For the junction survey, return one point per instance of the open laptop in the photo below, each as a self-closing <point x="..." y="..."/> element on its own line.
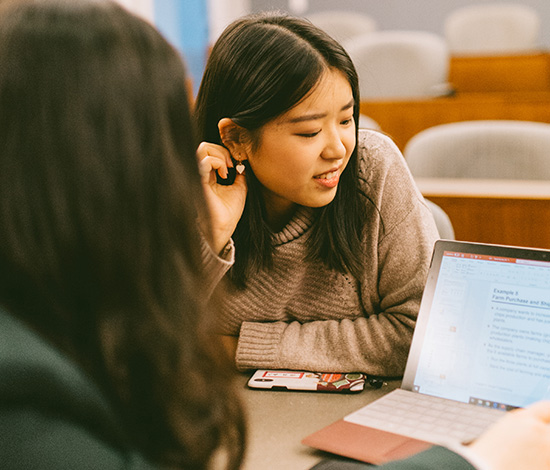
<point x="481" y="346"/>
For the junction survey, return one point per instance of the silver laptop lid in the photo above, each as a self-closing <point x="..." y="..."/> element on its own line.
<point x="483" y="331"/>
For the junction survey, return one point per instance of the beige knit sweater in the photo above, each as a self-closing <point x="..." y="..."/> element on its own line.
<point x="300" y="315"/>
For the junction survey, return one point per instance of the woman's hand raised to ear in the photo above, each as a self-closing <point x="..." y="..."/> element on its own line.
<point x="225" y="203"/>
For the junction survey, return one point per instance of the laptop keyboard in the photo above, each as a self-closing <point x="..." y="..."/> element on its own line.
<point x="425" y="417"/>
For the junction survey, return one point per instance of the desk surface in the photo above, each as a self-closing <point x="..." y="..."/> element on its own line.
<point x="278" y="421"/>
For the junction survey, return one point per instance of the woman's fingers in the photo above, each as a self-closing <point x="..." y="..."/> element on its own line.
<point x="213" y="153"/>
<point x="539" y="410"/>
<point x="225" y="202"/>
<point x="210" y="164"/>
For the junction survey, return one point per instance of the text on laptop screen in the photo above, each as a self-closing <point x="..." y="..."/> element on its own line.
<point x="487" y="340"/>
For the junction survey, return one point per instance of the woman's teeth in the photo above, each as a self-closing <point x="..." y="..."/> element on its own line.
<point x="327" y="176"/>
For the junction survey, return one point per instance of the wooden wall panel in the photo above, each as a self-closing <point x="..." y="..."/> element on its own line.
<point x="502" y="73"/>
<point x="403" y="119"/>
<point x="494" y="211"/>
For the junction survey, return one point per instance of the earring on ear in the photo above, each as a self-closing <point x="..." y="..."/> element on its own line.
<point x="239" y="167"/>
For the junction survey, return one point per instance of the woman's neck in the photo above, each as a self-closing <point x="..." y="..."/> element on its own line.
<point x="279" y="215"/>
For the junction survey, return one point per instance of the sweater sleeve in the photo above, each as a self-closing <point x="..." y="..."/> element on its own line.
<point x="376" y="338"/>
<point x="216" y="266"/>
<point x="378" y="343"/>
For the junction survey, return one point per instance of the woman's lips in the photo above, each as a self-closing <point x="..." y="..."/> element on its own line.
<point x="329" y="179"/>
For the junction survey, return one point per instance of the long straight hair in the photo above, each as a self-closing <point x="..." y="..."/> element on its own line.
<point x="260" y="67"/>
<point x="98" y="239"/>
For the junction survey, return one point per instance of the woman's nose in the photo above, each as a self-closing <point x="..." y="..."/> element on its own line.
<point x="334" y="147"/>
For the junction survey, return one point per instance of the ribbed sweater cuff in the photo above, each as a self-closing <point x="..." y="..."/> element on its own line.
<point x="258" y="345"/>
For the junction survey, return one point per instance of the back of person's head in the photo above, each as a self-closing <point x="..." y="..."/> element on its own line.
<point x="263" y="65"/>
<point x="99" y="193"/>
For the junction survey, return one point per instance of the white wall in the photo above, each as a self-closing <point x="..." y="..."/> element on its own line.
<point x="143" y="8"/>
<point x="223" y="12"/>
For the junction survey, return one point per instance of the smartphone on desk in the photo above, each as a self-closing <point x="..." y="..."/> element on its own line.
<point x="350" y="382"/>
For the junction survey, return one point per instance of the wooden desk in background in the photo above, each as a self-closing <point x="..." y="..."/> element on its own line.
<point x="403" y="119"/>
<point x="509" y="212"/>
<point x="501" y="73"/>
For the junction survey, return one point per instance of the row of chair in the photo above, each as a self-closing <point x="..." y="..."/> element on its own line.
<point x="411" y="64"/>
<point x="484" y="28"/>
<point x="400" y="64"/>
<point x="484" y="150"/>
<point x="499" y="149"/>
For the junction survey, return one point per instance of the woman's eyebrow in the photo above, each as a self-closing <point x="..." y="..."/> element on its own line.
<point x="307" y="117"/>
<point x="313" y="117"/>
<point x="348" y="105"/>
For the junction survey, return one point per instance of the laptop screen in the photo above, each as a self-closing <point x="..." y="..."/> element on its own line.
<point x="483" y="333"/>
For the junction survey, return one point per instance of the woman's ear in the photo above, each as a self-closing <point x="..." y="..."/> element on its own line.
<point x="233" y="137"/>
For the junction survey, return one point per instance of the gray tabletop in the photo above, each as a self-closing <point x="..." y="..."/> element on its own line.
<point x="279" y="420"/>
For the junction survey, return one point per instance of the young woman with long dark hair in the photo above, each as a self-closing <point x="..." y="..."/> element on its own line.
<point x="332" y="237"/>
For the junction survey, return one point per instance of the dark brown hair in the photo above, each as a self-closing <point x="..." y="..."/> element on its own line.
<point x="260" y="67"/>
<point x="99" y="247"/>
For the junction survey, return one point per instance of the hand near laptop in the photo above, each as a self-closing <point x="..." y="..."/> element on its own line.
<point x="521" y="439"/>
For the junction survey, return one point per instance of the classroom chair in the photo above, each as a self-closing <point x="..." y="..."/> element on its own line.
<point x="498" y="149"/>
<point x="400" y="64"/>
<point x="495" y="28"/>
<point x="366" y="122"/>
<point x="442" y="221"/>
<point x="343" y="25"/>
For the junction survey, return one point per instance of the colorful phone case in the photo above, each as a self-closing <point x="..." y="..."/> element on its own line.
<point x="308" y="381"/>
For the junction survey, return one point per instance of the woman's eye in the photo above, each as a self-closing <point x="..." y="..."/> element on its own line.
<point x="345" y="122"/>
<point x="311" y="134"/>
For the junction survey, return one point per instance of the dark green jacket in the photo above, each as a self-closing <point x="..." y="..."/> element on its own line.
<point x="52" y="417"/>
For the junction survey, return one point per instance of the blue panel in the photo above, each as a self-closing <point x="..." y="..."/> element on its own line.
<point x="185" y="24"/>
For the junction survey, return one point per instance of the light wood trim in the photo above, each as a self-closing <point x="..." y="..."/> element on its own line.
<point x="486" y="188"/>
<point x="500" y="73"/>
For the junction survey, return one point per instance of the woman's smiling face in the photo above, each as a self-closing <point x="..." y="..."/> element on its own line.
<point x="302" y="153"/>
